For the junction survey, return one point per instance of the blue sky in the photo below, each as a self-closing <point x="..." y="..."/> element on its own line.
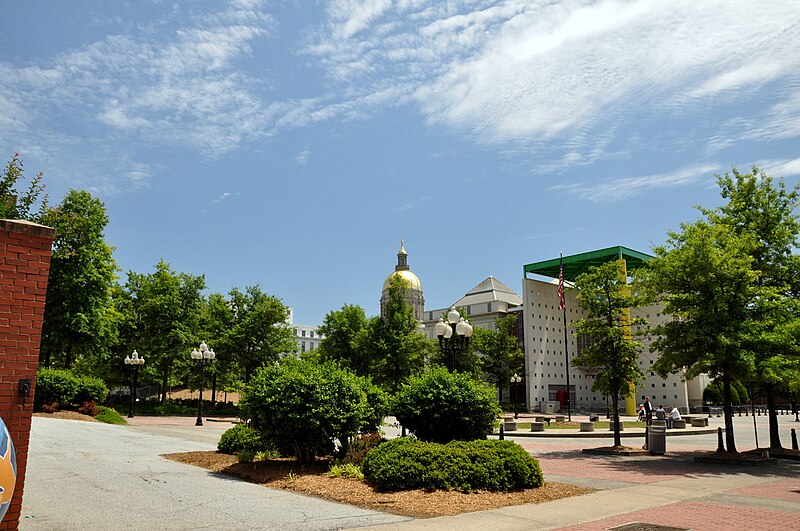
<point x="293" y="143"/>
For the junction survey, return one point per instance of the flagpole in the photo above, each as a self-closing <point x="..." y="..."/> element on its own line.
<point x="563" y="305"/>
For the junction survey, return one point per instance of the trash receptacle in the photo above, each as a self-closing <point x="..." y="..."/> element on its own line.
<point x="657" y="440"/>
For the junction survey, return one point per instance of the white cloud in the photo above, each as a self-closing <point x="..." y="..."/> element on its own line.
<point x="224" y="196"/>
<point x="618" y="189"/>
<point x="535" y="71"/>
<point x="780" y="167"/>
<point x="413" y="204"/>
<point x="301" y="157"/>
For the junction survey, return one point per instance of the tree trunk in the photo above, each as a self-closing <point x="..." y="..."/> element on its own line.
<point x="730" y="441"/>
<point x="774" y="434"/>
<point x="617" y="438"/>
<point x="164" y="379"/>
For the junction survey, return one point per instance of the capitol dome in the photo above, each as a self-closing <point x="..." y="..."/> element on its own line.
<point x="414" y="294"/>
<point x="411" y="279"/>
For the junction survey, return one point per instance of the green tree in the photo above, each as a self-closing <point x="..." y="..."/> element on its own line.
<point x="341" y="329"/>
<point x="393" y="342"/>
<point x="763" y="212"/>
<point x="704" y="277"/>
<point x="166" y="307"/>
<point x="500" y="355"/>
<point x="302" y="407"/>
<point x="14" y="206"/>
<point x="79" y="317"/>
<point x="257" y="334"/>
<point x="604" y="293"/>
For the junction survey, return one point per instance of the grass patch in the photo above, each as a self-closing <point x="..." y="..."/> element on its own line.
<point x="110" y="416"/>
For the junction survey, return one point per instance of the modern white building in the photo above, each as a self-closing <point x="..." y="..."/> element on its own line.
<point x="549" y="353"/>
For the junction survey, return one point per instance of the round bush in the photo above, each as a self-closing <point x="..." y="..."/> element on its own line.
<point x="240" y="438"/>
<point x="54" y="385"/>
<point x="301" y="406"/>
<point x="90" y="390"/>
<point x="440" y="406"/>
<point x="408" y="463"/>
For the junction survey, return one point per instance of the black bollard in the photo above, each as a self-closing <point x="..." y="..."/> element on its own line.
<point x="403" y="432"/>
<point x="720" y="445"/>
<point x="740" y="411"/>
<point x="794" y="440"/>
<point x="746" y="413"/>
<point x="759" y="412"/>
<point x="502" y="433"/>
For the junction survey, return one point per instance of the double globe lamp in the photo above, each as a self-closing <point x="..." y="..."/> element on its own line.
<point x="203" y="356"/>
<point x="453" y="335"/>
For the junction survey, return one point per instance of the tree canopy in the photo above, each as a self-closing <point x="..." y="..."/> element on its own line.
<point x="612" y="353"/>
<point x="79" y="318"/>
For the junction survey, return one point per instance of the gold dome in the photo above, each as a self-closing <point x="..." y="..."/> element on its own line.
<point x="411" y="279"/>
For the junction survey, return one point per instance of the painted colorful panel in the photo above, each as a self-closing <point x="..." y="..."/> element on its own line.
<point x="8" y="469"/>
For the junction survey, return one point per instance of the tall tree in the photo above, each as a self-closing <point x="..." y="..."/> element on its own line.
<point x="761" y="209"/>
<point x="16" y="206"/>
<point x="500" y="355"/>
<point x="258" y="333"/>
<point x="604" y="293"/>
<point x="79" y="317"/>
<point x="704" y="277"/>
<point x="393" y="342"/>
<point x="341" y="329"/>
<point x="167" y="308"/>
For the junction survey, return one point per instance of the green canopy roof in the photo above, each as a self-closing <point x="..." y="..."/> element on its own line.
<point x="576" y="264"/>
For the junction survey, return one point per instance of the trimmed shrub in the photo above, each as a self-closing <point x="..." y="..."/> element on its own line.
<point x="90" y="390"/>
<point x="440" y="406"/>
<point x="89" y="408"/>
<point x="408" y="463"/>
<point x="54" y="385"/>
<point x="359" y="447"/>
<point x="301" y="406"/>
<point x="240" y="438"/>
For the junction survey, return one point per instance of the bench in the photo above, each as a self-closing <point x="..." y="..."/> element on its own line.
<point x="560" y="418"/>
<point x="660" y="422"/>
<point x="509" y="426"/>
<point x="699" y="422"/>
<point x="679" y="424"/>
<point x="537" y="426"/>
<point x="611" y="425"/>
<point x="587" y="426"/>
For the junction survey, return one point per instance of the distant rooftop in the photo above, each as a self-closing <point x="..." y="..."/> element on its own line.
<point x="489" y="290"/>
<point x="576" y="264"/>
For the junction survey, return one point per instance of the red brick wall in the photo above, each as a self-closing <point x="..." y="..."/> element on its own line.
<point x="24" y="266"/>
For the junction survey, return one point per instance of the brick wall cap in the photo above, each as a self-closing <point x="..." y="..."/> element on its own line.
<point x="27" y="227"/>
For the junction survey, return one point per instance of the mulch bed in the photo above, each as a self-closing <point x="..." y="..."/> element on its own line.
<point x="310" y="479"/>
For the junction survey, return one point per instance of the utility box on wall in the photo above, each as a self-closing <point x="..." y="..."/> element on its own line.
<point x="25" y="250"/>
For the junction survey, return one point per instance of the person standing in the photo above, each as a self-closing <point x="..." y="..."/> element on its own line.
<point x="648" y="411"/>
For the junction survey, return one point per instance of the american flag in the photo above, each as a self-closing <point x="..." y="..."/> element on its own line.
<point x="561" y="305"/>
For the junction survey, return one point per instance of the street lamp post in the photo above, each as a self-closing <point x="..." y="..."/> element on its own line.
<point x="453" y="335"/>
<point x="203" y="356"/>
<point x="516" y="379"/>
<point x="134" y="362"/>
